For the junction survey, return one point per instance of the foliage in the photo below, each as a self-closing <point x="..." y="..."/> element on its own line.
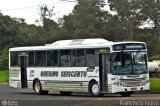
<point x="4" y="58"/>
<point x="151" y="11"/>
<point x="157" y="57"/>
<point x="8" y="31"/>
<point x="152" y="43"/>
<point x="87" y="20"/>
<point x="129" y="15"/>
<point x="50" y="28"/>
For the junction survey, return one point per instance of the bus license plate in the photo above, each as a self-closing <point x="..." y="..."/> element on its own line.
<point x="133" y="89"/>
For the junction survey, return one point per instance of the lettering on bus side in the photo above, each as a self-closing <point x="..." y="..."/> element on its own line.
<point x="73" y="74"/>
<point x="64" y="74"/>
<point x="49" y="73"/>
<point x="31" y="73"/>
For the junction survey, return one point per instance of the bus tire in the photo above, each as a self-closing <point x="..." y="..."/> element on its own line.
<point x="65" y="93"/>
<point x="38" y="88"/>
<point x="94" y="89"/>
<point x="126" y="94"/>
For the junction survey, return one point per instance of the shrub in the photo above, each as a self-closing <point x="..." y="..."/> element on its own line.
<point x="4" y="58"/>
<point x="157" y="57"/>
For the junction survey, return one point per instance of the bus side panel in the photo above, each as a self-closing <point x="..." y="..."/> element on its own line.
<point x="110" y="83"/>
<point x="62" y="78"/>
<point x="14" y="77"/>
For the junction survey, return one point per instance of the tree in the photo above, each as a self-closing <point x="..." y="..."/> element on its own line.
<point x="50" y="28"/>
<point x="8" y="31"/>
<point x="4" y="58"/>
<point x="86" y="20"/>
<point x="152" y="43"/>
<point x="129" y="15"/>
<point x="151" y="10"/>
<point x="29" y="35"/>
<point x="45" y="13"/>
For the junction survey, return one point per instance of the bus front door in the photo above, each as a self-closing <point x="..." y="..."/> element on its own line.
<point x="23" y="72"/>
<point x="103" y="60"/>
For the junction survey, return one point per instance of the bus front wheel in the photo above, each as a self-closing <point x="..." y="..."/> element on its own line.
<point x="126" y="94"/>
<point x="94" y="89"/>
<point x="38" y="88"/>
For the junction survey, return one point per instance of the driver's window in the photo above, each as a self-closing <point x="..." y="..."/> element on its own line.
<point x="121" y="60"/>
<point x="126" y="59"/>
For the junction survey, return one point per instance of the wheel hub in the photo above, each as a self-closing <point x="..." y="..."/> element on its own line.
<point x="95" y="89"/>
<point x="37" y="87"/>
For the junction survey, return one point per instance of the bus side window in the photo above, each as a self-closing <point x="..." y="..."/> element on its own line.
<point x="90" y="57"/>
<point x="31" y="58"/>
<point x="78" y="58"/>
<point x="40" y="59"/>
<point x="65" y="58"/>
<point x="14" y="59"/>
<point x="52" y="58"/>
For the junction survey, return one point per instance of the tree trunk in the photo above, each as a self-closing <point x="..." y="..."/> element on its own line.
<point x="155" y="27"/>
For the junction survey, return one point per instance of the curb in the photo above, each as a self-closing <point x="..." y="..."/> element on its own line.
<point x="147" y="92"/>
<point x="4" y="83"/>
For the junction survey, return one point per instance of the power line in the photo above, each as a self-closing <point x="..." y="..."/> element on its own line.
<point x="35" y="6"/>
<point x="64" y="1"/>
<point x="19" y="8"/>
<point x="69" y="0"/>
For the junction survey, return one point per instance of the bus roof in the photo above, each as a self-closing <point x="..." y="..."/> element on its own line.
<point x="68" y="44"/>
<point x="80" y="42"/>
<point x="72" y="44"/>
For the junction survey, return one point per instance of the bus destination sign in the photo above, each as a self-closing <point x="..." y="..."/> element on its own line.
<point x="129" y="46"/>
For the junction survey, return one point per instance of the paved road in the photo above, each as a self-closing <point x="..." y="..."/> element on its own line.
<point x="24" y="97"/>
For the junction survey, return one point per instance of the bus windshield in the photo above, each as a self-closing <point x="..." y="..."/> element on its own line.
<point x="128" y="63"/>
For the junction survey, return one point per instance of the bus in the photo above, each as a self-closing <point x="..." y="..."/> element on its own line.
<point x="95" y="66"/>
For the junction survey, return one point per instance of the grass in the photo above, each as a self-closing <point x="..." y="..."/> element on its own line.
<point x="4" y="75"/>
<point x="154" y="85"/>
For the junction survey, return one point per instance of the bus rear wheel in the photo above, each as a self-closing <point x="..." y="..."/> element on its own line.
<point x="94" y="89"/>
<point x="126" y="94"/>
<point x="38" y="88"/>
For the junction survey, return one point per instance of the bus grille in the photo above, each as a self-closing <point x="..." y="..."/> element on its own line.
<point x="129" y="83"/>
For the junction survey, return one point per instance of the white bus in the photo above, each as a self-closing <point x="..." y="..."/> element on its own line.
<point x="95" y="66"/>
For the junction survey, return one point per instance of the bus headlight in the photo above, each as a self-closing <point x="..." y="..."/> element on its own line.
<point x="119" y="84"/>
<point x="144" y="83"/>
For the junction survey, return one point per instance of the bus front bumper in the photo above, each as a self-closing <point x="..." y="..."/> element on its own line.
<point x="116" y="89"/>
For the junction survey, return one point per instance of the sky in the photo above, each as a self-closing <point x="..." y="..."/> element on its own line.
<point x="29" y="9"/>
